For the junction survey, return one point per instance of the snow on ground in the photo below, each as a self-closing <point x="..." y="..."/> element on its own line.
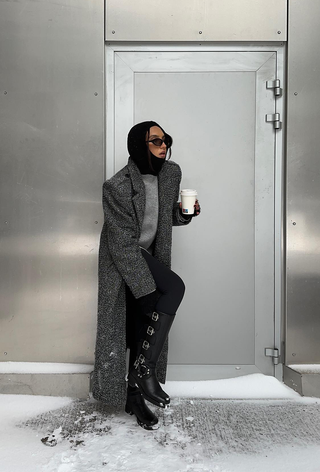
<point x="44" y="368"/>
<point x="21" y="448"/>
<point x="246" y="387"/>
<point x="124" y="446"/>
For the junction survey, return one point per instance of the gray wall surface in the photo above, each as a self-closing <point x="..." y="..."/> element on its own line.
<point x="303" y="184"/>
<point x="203" y="20"/>
<point x="51" y="151"/>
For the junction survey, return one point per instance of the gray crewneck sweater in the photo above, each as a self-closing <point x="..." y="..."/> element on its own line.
<point x="150" y="220"/>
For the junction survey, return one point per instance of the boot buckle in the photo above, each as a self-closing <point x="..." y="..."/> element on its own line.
<point x="141" y="359"/>
<point x="150" y="330"/>
<point x="145" y="345"/>
<point x="154" y="316"/>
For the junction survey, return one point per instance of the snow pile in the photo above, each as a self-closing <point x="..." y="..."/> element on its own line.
<point x="306" y="368"/>
<point x="254" y="386"/>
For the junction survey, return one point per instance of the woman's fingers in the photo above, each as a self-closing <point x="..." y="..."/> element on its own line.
<point x="197" y="208"/>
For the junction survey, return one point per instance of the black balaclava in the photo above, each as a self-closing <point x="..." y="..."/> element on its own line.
<point x="138" y="148"/>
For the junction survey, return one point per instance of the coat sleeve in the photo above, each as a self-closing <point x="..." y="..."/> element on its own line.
<point x="178" y="219"/>
<point x="122" y="234"/>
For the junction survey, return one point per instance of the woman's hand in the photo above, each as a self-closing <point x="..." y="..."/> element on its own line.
<point x="197" y="208"/>
<point x="196" y="212"/>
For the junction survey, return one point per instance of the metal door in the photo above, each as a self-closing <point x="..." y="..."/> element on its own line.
<point x="214" y="104"/>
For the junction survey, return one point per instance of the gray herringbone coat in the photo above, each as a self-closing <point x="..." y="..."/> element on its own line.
<point x="121" y="263"/>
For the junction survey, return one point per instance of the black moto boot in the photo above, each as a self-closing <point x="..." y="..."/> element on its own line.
<point x="136" y="406"/>
<point x="143" y="373"/>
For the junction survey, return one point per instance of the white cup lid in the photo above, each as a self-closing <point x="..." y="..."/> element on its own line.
<point x="188" y="191"/>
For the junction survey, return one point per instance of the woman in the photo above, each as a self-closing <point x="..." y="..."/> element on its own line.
<point x="138" y="293"/>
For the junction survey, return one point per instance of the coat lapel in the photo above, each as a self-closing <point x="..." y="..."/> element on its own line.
<point x="138" y="194"/>
<point x="165" y="191"/>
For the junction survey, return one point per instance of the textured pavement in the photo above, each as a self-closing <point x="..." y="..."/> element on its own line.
<point x="215" y="426"/>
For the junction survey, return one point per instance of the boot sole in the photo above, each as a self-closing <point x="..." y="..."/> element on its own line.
<point x="148" y="427"/>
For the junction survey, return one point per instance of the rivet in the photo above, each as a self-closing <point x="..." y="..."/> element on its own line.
<point x="294" y="223"/>
<point x="5" y="353"/>
<point x="279" y="32"/>
<point x="294" y="354"/>
<point x="295" y="93"/>
<point x="113" y="31"/>
<point x="96" y="222"/>
<point x="200" y="32"/>
<point x="5" y="92"/>
<point x="95" y="93"/>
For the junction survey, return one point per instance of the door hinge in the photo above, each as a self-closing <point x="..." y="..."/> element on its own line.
<point x="274" y="353"/>
<point x="275" y="118"/>
<point x="275" y="85"/>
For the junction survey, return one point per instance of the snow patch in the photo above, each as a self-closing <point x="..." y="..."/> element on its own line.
<point x="253" y="386"/>
<point x="44" y="368"/>
<point x="306" y="368"/>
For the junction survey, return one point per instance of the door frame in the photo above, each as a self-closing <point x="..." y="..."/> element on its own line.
<point x="279" y="165"/>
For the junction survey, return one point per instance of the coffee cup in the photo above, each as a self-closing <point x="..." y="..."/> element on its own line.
<point x="188" y="200"/>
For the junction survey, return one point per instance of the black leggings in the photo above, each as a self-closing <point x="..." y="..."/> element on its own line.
<point x="168" y="283"/>
<point x="172" y="289"/>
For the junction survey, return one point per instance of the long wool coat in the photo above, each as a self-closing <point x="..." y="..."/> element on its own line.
<point x="121" y="263"/>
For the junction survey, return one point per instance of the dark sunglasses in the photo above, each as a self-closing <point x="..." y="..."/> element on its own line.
<point x="158" y="141"/>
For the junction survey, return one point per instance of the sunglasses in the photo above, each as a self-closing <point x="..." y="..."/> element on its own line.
<point x="158" y="141"/>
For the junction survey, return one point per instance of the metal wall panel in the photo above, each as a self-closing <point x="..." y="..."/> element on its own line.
<point x="303" y="184"/>
<point x="51" y="143"/>
<point x="203" y="20"/>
